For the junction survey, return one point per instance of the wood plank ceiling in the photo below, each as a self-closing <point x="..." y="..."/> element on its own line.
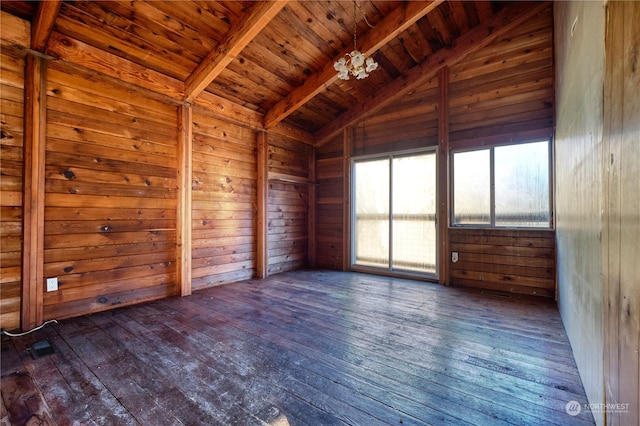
<point x="272" y="58"/>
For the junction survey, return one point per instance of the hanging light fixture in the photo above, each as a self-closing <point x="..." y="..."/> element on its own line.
<point x="355" y="63"/>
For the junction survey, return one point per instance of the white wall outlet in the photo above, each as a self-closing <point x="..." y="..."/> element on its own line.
<point x="454" y="256"/>
<point x="52" y="284"/>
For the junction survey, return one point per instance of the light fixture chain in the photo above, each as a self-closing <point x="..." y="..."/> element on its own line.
<point x="355" y="27"/>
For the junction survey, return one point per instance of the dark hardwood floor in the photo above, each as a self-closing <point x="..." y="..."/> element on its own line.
<point x="307" y="348"/>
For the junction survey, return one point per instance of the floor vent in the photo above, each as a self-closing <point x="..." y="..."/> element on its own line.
<point x="40" y="349"/>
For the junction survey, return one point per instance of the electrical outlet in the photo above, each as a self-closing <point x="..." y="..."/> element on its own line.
<point x="52" y="284"/>
<point x="454" y="256"/>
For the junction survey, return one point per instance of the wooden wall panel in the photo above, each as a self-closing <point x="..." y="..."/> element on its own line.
<point x="11" y="182"/>
<point x="288" y="204"/>
<point x="110" y="195"/>
<point x="506" y="87"/>
<point x="579" y="159"/>
<point x="223" y="202"/>
<point x="287" y="226"/>
<point x="329" y="204"/>
<point x="505" y="260"/>
<point x="621" y="218"/>
<point x="410" y="123"/>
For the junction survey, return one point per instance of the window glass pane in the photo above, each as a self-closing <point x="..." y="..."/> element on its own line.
<point x="414" y="207"/>
<point x="472" y="188"/>
<point x="372" y="213"/>
<point x="522" y="185"/>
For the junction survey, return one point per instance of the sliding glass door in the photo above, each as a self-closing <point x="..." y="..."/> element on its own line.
<point x="394" y="213"/>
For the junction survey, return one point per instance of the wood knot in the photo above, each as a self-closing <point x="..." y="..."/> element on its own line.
<point x="105" y="228"/>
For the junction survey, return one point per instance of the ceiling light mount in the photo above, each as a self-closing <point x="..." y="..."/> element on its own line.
<point x="355" y="63"/>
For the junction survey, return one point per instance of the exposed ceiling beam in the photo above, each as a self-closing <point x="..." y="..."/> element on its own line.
<point x="45" y="17"/>
<point x="478" y="37"/>
<point x="395" y="23"/>
<point x="238" y="37"/>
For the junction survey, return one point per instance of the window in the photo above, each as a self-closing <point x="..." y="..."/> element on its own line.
<point x="503" y="186"/>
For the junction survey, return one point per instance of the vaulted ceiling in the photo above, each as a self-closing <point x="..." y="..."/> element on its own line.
<point x="274" y="59"/>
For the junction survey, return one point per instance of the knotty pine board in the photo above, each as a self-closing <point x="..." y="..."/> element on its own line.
<point x="512" y="261"/>
<point x="111" y="187"/>
<point x="223" y="202"/>
<point x="11" y="168"/>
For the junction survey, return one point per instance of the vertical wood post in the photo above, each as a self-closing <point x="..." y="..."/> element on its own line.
<point x="347" y="136"/>
<point x="443" y="181"/>
<point x="33" y="196"/>
<point x="183" y="224"/>
<point x="262" y="256"/>
<point x="311" y="215"/>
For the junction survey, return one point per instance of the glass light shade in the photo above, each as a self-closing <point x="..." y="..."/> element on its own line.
<point x="356" y="64"/>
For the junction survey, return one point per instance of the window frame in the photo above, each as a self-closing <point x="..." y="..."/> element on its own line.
<point x="492" y="208"/>
<point x="390" y="270"/>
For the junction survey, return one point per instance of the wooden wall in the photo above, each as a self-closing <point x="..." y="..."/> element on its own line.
<point x="224" y="212"/>
<point x="505" y="88"/>
<point x="598" y="212"/>
<point x="507" y="260"/>
<point x="503" y="92"/>
<point x="578" y="150"/>
<point x="110" y="194"/>
<point x="621" y="227"/>
<point x="330" y="199"/>
<point x="223" y="202"/>
<point x="11" y="182"/>
<point x="410" y="123"/>
<point x="288" y="204"/>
